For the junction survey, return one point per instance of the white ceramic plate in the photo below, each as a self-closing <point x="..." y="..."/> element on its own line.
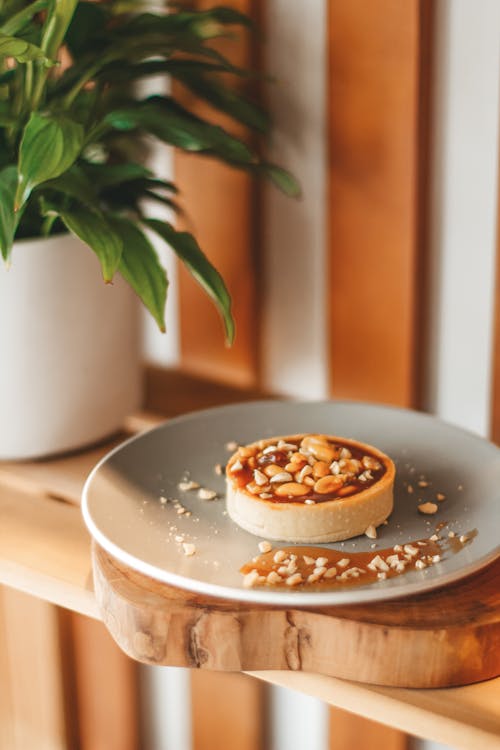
<point x="124" y="513"/>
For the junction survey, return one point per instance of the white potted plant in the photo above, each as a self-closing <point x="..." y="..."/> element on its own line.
<point x="72" y="133"/>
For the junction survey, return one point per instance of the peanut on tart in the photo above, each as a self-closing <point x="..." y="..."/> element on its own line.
<point x="309" y="488"/>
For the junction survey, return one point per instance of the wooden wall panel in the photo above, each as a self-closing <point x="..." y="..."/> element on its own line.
<point x="374" y="68"/>
<point x="228" y="711"/>
<point x="32" y="690"/>
<point x="220" y="204"/>
<point x="106" y="689"/>
<point x="378" y="113"/>
<point x="349" y="732"/>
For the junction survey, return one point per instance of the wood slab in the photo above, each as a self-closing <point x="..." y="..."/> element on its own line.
<point x="445" y="637"/>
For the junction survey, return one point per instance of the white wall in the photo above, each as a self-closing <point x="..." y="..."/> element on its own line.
<point x="464" y="209"/>
<point x="165" y="705"/>
<point x="294" y="242"/>
<point x="464" y="194"/>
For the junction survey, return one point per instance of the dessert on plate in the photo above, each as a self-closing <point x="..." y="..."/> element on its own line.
<point x="309" y="488"/>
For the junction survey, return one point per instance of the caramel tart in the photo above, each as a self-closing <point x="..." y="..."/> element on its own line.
<point x="309" y="488"/>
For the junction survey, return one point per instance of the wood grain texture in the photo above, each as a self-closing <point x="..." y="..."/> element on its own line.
<point x="373" y="194"/>
<point x="448" y="636"/>
<point x="32" y="695"/>
<point x="348" y="732"/>
<point x="220" y="205"/>
<point x="456" y="719"/>
<point x="171" y="392"/>
<point x="378" y="99"/>
<point x="228" y="710"/>
<point x="106" y="689"/>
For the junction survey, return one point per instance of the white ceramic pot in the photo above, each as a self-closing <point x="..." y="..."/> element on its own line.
<point x="69" y="349"/>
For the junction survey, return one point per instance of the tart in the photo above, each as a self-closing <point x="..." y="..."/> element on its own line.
<point x="309" y="488"/>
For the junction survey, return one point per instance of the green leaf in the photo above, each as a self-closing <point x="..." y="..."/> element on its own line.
<point x="7" y="77"/>
<point x="86" y="28"/>
<point x="168" y="121"/>
<point x="20" y="19"/>
<point x="75" y="184"/>
<point x="21" y="50"/>
<point x="125" y="45"/>
<point x="93" y="228"/>
<point x="164" y="201"/>
<point x="226" y="100"/>
<point x="8" y="218"/>
<point x="6" y="121"/>
<point x="154" y="38"/>
<point x="129" y="194"/>
<point x="208" y="24"/>
<point x="231" y="16"/>
<point x="204" y="24"/>
<point x="283" y="180"/>
<point x="157" y="184"/>
<point x="11" y="7"/>
<point x="111" y="175"/>
<point x="140" y="267"/>
<point x="120" y="72"/>
<point x="187" y="249"/>
<point x="49" y="146"/>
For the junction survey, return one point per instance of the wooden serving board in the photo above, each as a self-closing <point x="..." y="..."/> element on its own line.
<point x="448" y="636"/>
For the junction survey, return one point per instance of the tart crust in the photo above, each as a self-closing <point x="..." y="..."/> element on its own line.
<point x="329" y="520"/>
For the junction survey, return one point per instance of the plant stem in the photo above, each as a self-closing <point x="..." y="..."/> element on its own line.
<point x="28" y="81"/>
<point x="53" y="35"/>
<point x="75" y="90"/>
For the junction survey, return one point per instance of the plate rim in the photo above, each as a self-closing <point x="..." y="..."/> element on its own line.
<point x="298" y="599"/>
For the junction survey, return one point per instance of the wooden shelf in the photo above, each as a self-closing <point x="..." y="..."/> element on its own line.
<point x="45" y="551"/>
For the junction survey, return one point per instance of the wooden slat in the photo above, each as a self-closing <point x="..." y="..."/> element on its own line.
<point x="32" y="699"/>
<point x="45" y="550"/>
<point x="106" y="688"/>
<point x="228" y="711"/>
<point x="373" y="191"/>
<point x="220" y="207"/>
<point x="348" y="732"/>
<point x="6" y="698"/>
<point x="463" y="718"/>
<point x="378" y="113"/>
<point x="170" y="392"/>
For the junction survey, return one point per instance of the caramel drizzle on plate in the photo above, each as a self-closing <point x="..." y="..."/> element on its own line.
<point x="320" y="568"/>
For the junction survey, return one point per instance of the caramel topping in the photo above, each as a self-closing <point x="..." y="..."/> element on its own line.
<point x="306" y="469"/>
<point x="321" y="568"/>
